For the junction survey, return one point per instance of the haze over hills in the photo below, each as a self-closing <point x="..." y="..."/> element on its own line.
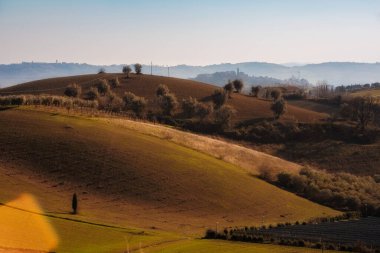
<point x="335" y="73"/>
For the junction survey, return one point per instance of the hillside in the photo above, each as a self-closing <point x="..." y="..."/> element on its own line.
<point x="129" y="178"/>
<point x="366" y="92"/>
<point x="335" y="73"/>
<point x="248" y="108"/>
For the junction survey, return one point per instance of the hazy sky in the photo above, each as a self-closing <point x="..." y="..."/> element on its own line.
<point x="196" y="32"/>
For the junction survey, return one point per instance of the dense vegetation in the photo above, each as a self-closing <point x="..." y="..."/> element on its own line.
<point x="342" y="191"/>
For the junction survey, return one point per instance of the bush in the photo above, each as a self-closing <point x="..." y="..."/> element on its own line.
<point x="238" y="85"/>
<point x="229" y="88"/>
<point x="210" y="234"/>
<point x="134" y="103"/>
<point x="278" y="108"/>
<point x="103" y="86"/>
<point x="162" y="90"/>
<point x="219" y="98"/>
<point x="92" y="94"/>
<point x="275" y="94"/>
<point x="168" y="104"/>
<point x="223" y="117"/>
<point x="189" y="107"/>
<point x="73" y="90"/>
<point x="115" y="82"/>
<point x="204" y="110"/>
<point x="111" y="103"/>
<point x="255" y="90"/>
<point x="340" y="190"/>
<point x="101" y="71"/>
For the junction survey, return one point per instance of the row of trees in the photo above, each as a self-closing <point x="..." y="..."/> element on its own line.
<point x="126" y="70"/>
<point x="216" y="113"/>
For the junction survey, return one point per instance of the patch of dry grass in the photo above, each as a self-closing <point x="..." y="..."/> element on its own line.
<point x="251" y="160"/>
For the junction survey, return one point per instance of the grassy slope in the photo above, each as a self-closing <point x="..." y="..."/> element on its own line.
<point x="371" y="92"/>
<point x="211" y="246"/>
<point x="247" y="107"/>
<point x="131" y="179"/>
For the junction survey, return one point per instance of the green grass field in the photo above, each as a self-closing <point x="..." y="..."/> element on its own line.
<point x="134" y="181"/>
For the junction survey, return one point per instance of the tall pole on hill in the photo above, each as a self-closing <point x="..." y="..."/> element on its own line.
<point x="168" y="71"/>
<point x="151" y="68"/>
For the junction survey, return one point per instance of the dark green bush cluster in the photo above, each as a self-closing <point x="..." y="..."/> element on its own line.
<point x="342" y="191"/>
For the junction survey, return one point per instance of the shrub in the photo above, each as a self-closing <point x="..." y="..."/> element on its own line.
<point x="278" y="108"/>
<point x="73" y="90"/>
<point x="275" y="94"/>
<point x="111" y="102"/>
<point x="115" y="82"/>
<point x="168" y="104"/>
<point x="255" y="90"/>
<point x="210" y="234"/>
<point x="223" y="117"/>
<point x="189" y="107"/>
<point x="204" y="110"/>
<point x="162" y="90"/>
<point x="219" y="98"/>
<point x="229" y="88"/>
<point x="340" y="190"/>
<point x="103" y="86"/>
<point x="134" y="103"/>
<point x="138" y="68"/>
<point x="238" y="85"/>
<point x="102" y="71"/>
<point x="92" y="94"/>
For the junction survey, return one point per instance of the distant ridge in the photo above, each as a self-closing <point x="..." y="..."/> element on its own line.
<point x="335" y="73"/>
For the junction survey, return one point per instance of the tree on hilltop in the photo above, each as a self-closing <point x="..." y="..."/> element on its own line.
<point x="127" y="70"/>
<point x="138" y="68"/>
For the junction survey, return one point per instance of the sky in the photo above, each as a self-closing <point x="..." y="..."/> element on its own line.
<point x="193" y="32"/>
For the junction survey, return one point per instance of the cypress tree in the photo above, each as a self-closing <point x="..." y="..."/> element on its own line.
<point x="74" y="203"/>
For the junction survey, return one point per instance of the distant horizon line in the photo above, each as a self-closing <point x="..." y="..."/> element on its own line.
<point x="286" y="64"/>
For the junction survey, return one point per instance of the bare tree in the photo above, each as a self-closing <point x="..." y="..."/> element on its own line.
<point x="363" y="109"/>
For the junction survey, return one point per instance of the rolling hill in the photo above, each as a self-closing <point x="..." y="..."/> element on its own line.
<point x="335" y="73"/>
<point x="248" y="108"/>
<point x="129" y="179"/>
